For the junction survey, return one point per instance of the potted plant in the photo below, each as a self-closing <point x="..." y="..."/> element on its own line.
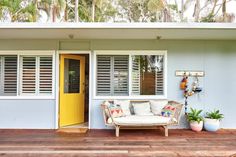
<point x="212" y="120"/>
<point x="195" y="119"/>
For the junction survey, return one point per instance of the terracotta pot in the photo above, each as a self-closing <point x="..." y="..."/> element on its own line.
<point x="211" y="124"/>
<point x="195" y="126"/>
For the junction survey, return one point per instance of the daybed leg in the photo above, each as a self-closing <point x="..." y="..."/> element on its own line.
<point x="117" y="131"/>
<point x="166" y="130"/>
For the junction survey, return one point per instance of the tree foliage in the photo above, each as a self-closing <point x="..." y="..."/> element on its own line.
<point x="18" y="10"/>
<point x="116" y="10"/>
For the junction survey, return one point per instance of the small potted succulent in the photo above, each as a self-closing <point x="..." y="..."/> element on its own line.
<point x="195" y="119"/>
<point x="212" y="120"/>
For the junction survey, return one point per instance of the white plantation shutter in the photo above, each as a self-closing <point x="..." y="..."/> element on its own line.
<point x="160" y="79"/>
<point x="159" y="83"/>
<point x="135" y="75"/>
<point x="112" y="75"/>
<point x="36" y="75"/>
<point x="26" y="75"/>
<point x="103" y="75"/>
<point x="28" y="72"/>
<point x="121" y="69"/>
<point x="10" y="75"/>
<point x="45" y="75"/>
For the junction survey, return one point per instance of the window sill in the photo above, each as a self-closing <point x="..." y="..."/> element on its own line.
<point x="27" y="97"/>
<point x="140" y="97"/>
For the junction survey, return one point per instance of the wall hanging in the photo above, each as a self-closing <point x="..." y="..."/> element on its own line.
<point x="184" y="84"/>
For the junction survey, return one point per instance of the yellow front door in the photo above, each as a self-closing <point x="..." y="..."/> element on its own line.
<point x="72" y="85"/>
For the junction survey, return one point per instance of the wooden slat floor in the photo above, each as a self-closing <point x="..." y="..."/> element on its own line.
<point x="130" y="143"/>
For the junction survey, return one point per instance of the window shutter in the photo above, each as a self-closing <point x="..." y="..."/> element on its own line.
<point x="121" y="67"/>
<point x="135" y="75"/>
<point x="45" y="75"/>
<point x="103" y="75"/>
<point x="160" y="81"/>
<point x="10" y="75"/>
<point x="28" y="72"/>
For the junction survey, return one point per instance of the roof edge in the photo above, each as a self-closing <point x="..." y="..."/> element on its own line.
<point x="100" y="25"/>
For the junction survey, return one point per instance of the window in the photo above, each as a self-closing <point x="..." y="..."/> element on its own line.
<point x="8" y="75"/>
<point x="36" y="75"/>
<point x="144" y="77"/>
<point x="72" y="76"/>
<point x="24" y="75"/>
<point x="112" y="75"/>
<point x="147" y="75"/>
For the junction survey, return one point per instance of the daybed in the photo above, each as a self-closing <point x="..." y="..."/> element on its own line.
<point x="132" y="120"/>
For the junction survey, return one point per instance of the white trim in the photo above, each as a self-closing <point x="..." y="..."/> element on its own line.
<point x="90" y="89"/>
<point x="18" y="86"/>
<point x="57" y="87"/>
<point x="138" y="97"/>
<point x="130" y="53"/>
<point x="74" y="52"/>
<point x="54" y="74"/>
<point x="27" y="97"/>
<point x="129" y="75"/>
<point x="104" y="25"/>
<point x="58" y="82"/>
<point x="165" y="75"/>
<point x="27" y="52"/>
<point x="33" y="53"/>
<point x="95" y="74"/>
<point x="37" y="75"/>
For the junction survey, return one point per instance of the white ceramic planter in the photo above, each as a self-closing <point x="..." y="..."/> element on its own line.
<point x="195" y="126"/>
<point x="211" y="124"/>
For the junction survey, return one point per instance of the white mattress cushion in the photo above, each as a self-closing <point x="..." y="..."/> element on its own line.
<point x="141" y="120"/>
<point x="157" y="106"/>
<point x="142" y="108"/>
<point x="125" y="106"/>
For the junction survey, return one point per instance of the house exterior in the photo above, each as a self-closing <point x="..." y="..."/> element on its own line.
<point x="44" y="68"/>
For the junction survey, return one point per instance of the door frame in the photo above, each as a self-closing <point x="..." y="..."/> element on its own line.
<point x="57" y="60"/>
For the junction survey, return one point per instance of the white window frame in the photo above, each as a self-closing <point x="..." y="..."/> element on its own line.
<point x="130" y="53"/>
<point x="31" y="53"/>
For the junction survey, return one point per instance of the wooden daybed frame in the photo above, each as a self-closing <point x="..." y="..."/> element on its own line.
<point x="174" y="120"/>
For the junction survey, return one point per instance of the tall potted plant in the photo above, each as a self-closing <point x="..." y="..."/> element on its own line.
<point x="195" y="119"/>
<point x="212" y="120"/>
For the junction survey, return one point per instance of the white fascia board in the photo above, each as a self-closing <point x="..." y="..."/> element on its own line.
<point x="118" y="25"/>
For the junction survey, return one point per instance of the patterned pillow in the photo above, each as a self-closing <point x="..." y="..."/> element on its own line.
<point x="168" y="111"/>
<point x="116" y="111"/>
<point x="106" y="104"/>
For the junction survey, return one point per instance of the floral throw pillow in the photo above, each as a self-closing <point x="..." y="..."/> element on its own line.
<point x="116" y="111"/>
<point x="168" y="111"/>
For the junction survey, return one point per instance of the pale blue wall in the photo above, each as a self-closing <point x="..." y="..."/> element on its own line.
<point x="35" y="114"/>
<point x="216" y="58"/>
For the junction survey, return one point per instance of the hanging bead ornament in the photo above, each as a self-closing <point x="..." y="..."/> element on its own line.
<point x="184" y="86"/>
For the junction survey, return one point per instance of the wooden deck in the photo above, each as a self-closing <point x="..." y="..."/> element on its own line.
<point x="104" y="143"/>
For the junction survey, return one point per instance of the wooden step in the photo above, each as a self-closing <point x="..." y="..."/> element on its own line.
<point x="77" y="128"/>
<point x="73" y="130"/>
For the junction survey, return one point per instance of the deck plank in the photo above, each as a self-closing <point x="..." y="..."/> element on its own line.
<point x="102" y="143"/>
